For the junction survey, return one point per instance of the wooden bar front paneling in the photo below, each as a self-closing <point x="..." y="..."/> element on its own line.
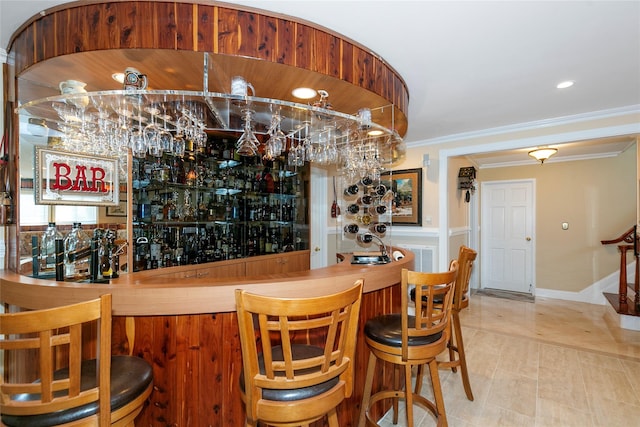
<point x="197" y="363"/>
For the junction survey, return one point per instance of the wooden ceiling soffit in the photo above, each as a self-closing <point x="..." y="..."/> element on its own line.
<point x="218" y="29"/>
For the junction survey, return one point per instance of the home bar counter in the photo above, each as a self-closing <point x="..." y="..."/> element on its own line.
<point x="187" y="329"/>
<point x="182" y="319"/>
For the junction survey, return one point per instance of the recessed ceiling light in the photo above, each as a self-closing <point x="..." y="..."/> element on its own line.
<point x="565" y="84"/>
<point x="375" y="132"/>
<point x="119" y="77"/>
<point x="304" y="93"/>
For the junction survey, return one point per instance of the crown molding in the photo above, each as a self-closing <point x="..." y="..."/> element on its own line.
<point x="528" y="126"/>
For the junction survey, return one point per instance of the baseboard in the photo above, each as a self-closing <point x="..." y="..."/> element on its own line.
<point x="592" y="294"/>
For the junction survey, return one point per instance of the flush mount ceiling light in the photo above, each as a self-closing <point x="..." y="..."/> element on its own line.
<point x="542" y="154"/>
<point x="565" y="84"/>
<point x="304" y="93"/>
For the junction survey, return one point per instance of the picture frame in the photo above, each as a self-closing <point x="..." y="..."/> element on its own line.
<point x="118" y="210"/>
<point x="407" y="188"/>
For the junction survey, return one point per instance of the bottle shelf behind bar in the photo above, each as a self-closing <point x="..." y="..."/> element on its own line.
<point x="212" y="205"/>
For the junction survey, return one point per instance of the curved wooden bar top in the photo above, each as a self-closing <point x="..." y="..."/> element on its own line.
<point x="187" y="329"/>
<point x="155" y="293"/>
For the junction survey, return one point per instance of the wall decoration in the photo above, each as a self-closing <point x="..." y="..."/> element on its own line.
<point x="119" y="210"/>
<point x="64" y="178"/>
<point x="407" y="188"/>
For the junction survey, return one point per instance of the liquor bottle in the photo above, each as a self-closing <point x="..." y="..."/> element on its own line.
<point x="266" y="210"/>
<point x="181" y="175"/>
<point x="228" y="209"/>
<point x="188" y="210"/>
<point x="381" y="209"/>
<point x="378" y="228"/>
<point x="156" y="208"/>
<point x="235" y="209"/>
<point x="261" y="241"/>
<point x="365" y="200"/>
<point x="365" y="238"/>
<point x="351" y="228"/>
<point x="287" y="243"/>
<point x="77" y="254"/>
<point x="203" y="212"/>
<point x="268" y="243"/>
<point x="226" y="150"/>
<point x="275" y="241"/>
<point x="211" y="209"/>
<point x="48" y="248"/>
<point x="225" y="247"/>
<point x="169" y="209"/>
<point x="144" y="207"/>
<point x="351" y="190"/>
<point x="366" y="181"/>
<point x="353" y="208"/>
<point x="252" y="243"/>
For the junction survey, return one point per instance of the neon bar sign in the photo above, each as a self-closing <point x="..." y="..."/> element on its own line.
<point x="64" y="178"/>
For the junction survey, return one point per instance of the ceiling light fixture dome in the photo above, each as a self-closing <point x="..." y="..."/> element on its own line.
<point x="565" y="84"/>
<point x="304" y="93"/>
<point x="542" y="154"/>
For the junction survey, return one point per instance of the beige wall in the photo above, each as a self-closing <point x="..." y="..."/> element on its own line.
<point x="458" y="209"/>
<point x="596" y="198"/>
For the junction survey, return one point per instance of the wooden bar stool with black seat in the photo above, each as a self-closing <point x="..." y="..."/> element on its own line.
<point x="406" y="341"/>
<point x="466" y="257"/>
<point x="105" y="391"/>
<point x="297" y="355"/>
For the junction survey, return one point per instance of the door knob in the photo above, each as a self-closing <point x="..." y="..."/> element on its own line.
<point x="528" y="239"/>
<point x="317" y="249"/>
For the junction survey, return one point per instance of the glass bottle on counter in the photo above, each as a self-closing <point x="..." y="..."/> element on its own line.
<point x="48" y="249"/>
<point x="77" y="254"/>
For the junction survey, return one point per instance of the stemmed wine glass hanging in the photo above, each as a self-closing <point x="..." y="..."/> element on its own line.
<point x="158" y="122"/>
<point x="248" y="143"/>
<point x="277" y="142"/>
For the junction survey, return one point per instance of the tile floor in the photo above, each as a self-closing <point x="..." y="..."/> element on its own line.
<point x="548" y="363"/>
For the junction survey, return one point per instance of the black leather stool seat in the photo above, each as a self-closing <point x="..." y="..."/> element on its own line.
<point x="130" y="377"/>
<point x="387" y="330"/>
<point x="299" y="351"/>
<point x="412" y="294"/>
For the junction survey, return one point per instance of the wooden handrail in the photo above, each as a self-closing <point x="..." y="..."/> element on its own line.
<point x="626" y="237"/>
<point x="629" y="241"/>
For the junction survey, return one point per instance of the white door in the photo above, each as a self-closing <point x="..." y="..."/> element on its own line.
<point x="507" y="235"/>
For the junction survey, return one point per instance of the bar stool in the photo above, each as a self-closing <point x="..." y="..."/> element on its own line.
<point x="411" y="340"/>
<point x="106" y="391"/>
<point x="297" y="355"/>
<point x="466" y="257"/>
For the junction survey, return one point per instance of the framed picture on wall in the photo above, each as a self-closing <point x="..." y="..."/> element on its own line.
<point x="119" y="210"/>
<point x="407" y="189"/>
